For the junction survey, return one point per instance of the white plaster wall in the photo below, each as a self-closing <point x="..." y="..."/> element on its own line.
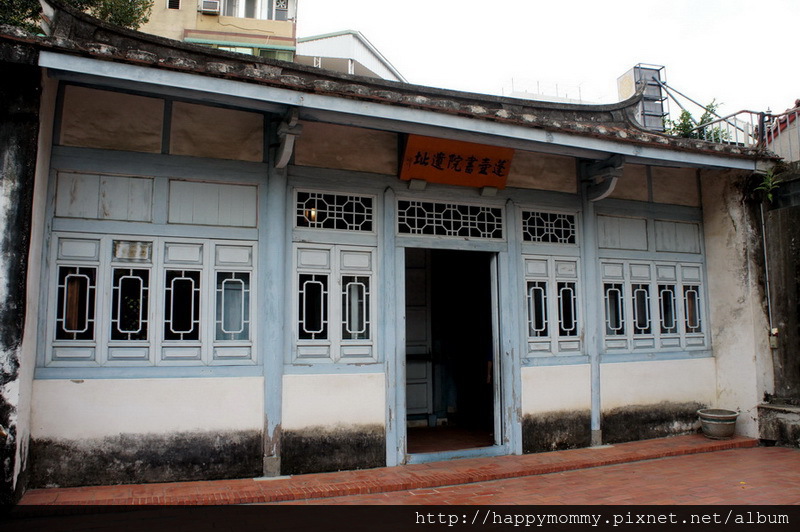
<point x="346" y="46"/>
<point x="739" y="324"/>
<point x="652" y="382"/>
<point x="786" y="143"/>
<point x="333" y="400"/>
<point x="556" y="389"/>
<point x="82" y="409"/>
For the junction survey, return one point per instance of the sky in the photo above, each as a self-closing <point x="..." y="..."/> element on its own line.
<point x="740" y="53"/>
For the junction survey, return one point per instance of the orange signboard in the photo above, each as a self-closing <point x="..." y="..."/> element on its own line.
<point x="453" y="162"/>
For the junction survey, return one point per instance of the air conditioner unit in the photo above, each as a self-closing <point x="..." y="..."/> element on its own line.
<point x="208" y="7"/>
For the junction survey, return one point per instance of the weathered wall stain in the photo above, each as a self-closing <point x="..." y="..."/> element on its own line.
<point x="779" y="425"/>
<point x="19" y="130"/>
<point x="318" y="449"/>
<point x="738" y="320"/>
<point x="271" y="447"/>
<point x="555" y="431"/>
<point x="631" y="423"/>
<point x="139" y="458"/>
<point x="783" y="245"/>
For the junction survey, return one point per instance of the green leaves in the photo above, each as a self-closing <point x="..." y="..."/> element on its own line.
<point x="687" y="127"/>
<point x="127" y="13"/>
<point x="21" y="13"/>
<point x="768" y="185"/>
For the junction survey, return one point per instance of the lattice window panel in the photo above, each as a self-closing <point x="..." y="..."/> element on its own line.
<point x="652" y="305"/>
<point x="615" y="309"/>
<point x="691" y="298"/>
<point x="552" y="299"/>
<point x="318" y="210"/>
<point x="160" y="301"/>
<point x="130" y="298"/>
<point x="548" y="227"/>
<point x="449" y="219"/>
<point x="233" y="306"/>
<point x="334" y="311"/>
<point x="313" y="315"/>
<point x="182" y="305"/>
<point x="76" y="307"/>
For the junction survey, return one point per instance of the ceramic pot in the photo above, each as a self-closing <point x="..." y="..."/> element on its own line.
<point x="717" y="423"/>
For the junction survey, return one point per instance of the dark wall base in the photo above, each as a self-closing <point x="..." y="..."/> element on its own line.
<point x="555" y="431"/>
<point x="633" y="423"/>
<point x="317" y="450"/>
<point x="139" y="458"/>
<point x="779" y="424"/>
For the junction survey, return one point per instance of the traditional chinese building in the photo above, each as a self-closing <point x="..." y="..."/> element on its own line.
<point x="222" y="266"/>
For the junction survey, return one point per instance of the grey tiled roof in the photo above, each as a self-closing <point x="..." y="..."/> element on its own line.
<point x="78" y="34"/>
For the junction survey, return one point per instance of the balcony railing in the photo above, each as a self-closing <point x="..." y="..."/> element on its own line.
<point x="776" y="133"/>
<point x="782" y="135"/>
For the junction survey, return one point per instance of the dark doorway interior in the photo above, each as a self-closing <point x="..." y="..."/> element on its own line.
<point x="450" y="350"/>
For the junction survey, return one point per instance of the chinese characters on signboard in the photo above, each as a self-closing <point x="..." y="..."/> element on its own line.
<point x="455" y="163"/>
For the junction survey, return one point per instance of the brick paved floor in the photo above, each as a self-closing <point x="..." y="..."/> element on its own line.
<point x="687" y="470"/>
<point x="762" y="475"/>
<point x="432" y="479"/>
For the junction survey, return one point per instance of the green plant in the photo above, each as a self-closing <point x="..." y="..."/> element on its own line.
<point x="687" y="127"/>
<point x="128" y="13"/>
<point x="768" y="185"/>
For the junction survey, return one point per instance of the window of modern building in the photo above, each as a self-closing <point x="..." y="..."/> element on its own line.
<point x="281" y="10"/>
<point x="259" y="9"/>
<point x="280" y="55"/>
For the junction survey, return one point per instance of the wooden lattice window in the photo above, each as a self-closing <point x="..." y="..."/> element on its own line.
<point x="334" y="309"/>
<point x="548" y="227"/>
<point x="652" y="305"/>
<point x="449" y="219"/>
<point x="554" y="325"/>
<point x="345" y="212"/>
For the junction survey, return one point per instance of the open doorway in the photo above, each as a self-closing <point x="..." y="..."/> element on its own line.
<point x="450" y="350"/>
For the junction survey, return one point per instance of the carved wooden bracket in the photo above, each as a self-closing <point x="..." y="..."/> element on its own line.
<point x="288" y="131"/>
<point x="603" y="176"/>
